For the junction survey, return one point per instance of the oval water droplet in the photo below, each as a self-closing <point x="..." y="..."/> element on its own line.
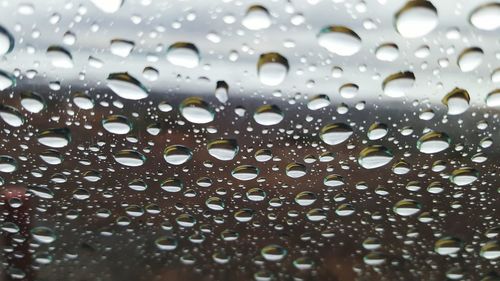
<point x="11" y="116"/>
<point x="336" y="133"/>
<point x="268" y="115"/>
<point x="224" y="150"/>
<point x="398" y="84"/>
<point x="117" y="124"/>
<point x="457" y="101"/>
<point x="273" y="252"/>
<point x="177" y="154"/>
<point x="464" y="176"/>
<point x="7" y="80"/>
<point x="493" y="98"/>
<point x="433" y="142"/>
<point x="339" y="40"/>
<point x="43" y="234"/>
<point x="470" y="59"/>
<point x="196" y="110"/>
<point x="7" y="164"/>
<point x="32" y="102"/>
<point x="55" y="138"/>
<point x="6" y="41"/>
<point x="486" y="16"/>
<point x="245" y="172"/>
<point x="126" y="86"/>
<point x="447" y="245"/>
<point x="60" y="57"/>
<point x="407" y="207"/>
<point x="374" y="156"/>
<point x="256" y="18"/>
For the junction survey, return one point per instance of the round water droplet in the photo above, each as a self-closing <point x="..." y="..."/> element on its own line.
<point x="296" y="170"/>
<point x="374" y="156"/>
<point x="55" y="138"/>
<point x="433" y="142"/>
<point x="177" y="154"/>
<point x="416" y="18"/>
<point x="273" y="252"/>
<point x="245" y="172"/>
<point x="43" y="234"/>
<point x="196" y="110"/>
<point x="121" y="47"/>
<point x="117" y="124"/>
<point x="6" y="41"/>
<point x="305" y="198"/>
<point x="486" y="16"/>
<point x="336" y="133"/>
<point x="272" y="69"/>
<point x="447" y="245"/>
<point x="407" y="207"/>
<point x="398" y="84"/>
<point x="470" y="59"/>
<point x="224" y="150"/>
<point x="268" y="115"/>
<point x="457" y="101"/>
<point x="183" y="54"/>
<point x="60" y="57"/>
<point x="244" y="215"/>
<point x="130" y="158"/>
<point x="11" y="116"/>
<point x="377" y="131"/>
<point x="126" y="86"/>
<point x="339" y="40"/>
<point x="349" y="91"/>
<point x="387" y="52"/>
<point x="256" y="18"/>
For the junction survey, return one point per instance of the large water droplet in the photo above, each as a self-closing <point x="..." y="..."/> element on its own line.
<point x="11" y="115"/>
<point x="117" y="124"/>
<point x="457" y="101"/>
<point x="339" y="40"/>
<point x="433" y="142"/>
<point x="177" y="154"/>
<point x="470" y="59"/>
<point x="126" y="86"/>
<point x="407" y="207"/>
<point x="486" y="16"/>
<point x="196" y="110"/>
<point x="224" y="150"/>
<point x="374" y="156"/>
<point x="130" y="158"/>
<point x="256" y="18"/>
<point x="398" y="84"/>
<point x="416" y="18"/>
<point x="272" y="69"/>
<point x="333" y="134"/>
<point x="32" y="102"/>
<point x="7" y="80"/>
<point x="183" y="54"/>
<point x="268" y="115"/>
<point x="6" y="41"/>
<point x="56" y="138"/>
<point x="108" y="6"/>
<point x="60" y="57"/>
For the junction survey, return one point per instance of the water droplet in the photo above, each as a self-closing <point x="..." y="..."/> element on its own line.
<point x="305" y="198"/>
<point x="318" y="102"/>
<point x="32" y="102"/>
<point x="447" y="245"/>
<point x="464" y="176"/>
<point x="108" y="6"/>
<point x="387" y="52"/>
<point x="126" y="86"/>
<point x="457" y="101"/>
<point x="245" y="172"/>
<point x="172" y="185"/>
<point x="221" y="91"/>
<point x="273" y="252"/>
<point x="183" y="54"/>
<point x="60" y="57"/>
<point x="339" y="40"/>
<point x="166" y="243"/>
<point x="486" y="16"/>
<point x="121" y="47"/>
<point x="83" y="101"/>
<point x="490" y="250"/>
<point x="336" y="133"/>
<point x="272" y="69"/>
<point x="433" y="142"/>
<point x="43" y="234"/>
<point x="196" y="110"/>
<point x="7" y="164"/>
<point x="11" y="115"/>
<point x="296" y="170"/>
<point x="470" y="59"/>
<point x="130" y="158"/>
<point x="374" y="156"/>
<point x="224" y="150"/>
<point x="55" y="138"/>
<point x="416" y="18"/>
<point x="493" y="98"/>
<point x="117" y="124"/>
<point x="256" y="18"/>
<point x="7" y="80"/>
<point x="407" y="207"/>
<point x="377" y="131"/>
<point x="215" y="203"/>
<point x="177" y="154"/>
<point x="268" y="115"/>
<point x="6" y="41"/>
<point x="398" y="84"/>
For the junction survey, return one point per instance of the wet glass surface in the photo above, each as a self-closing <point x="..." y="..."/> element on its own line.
<point x="241" y="140"/>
